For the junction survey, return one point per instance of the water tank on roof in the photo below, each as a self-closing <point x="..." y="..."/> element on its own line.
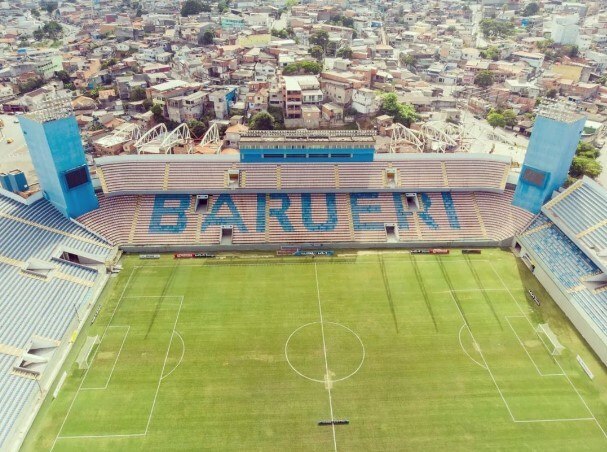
<point x="15" y="181"/>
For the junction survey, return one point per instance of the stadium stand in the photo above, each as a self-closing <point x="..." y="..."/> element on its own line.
<point x="565" y="247"/>
<point x="151" y="174"/>
<point x="358" y="217"/>
<point x="46" y="291"/>
<point x="581" y="210"/>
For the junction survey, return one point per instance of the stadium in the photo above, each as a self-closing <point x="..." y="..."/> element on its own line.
<point x="304" y="293"/>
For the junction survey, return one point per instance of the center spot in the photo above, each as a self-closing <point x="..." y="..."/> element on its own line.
<point x="305" y="352"/>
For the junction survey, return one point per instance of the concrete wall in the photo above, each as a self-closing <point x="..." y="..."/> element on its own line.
<point x="586" y="327"/>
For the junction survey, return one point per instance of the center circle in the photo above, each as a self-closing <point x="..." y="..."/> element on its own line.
<point x="306" y="350"/>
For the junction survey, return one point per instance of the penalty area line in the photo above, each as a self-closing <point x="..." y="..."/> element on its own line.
<point x="69" y="410"/>
<point x="160" y="378"/>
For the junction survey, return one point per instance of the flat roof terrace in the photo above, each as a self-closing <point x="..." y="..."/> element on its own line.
<point x="307" y="139"/>
<point x="306" y="133"/>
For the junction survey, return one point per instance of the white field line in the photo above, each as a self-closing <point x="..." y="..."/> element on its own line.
<point x="270" y="263"/>
<point x="163" y="366"/>
<point x="130" y="435"/>
<point x="471" y="290"/>
<point x="527" y="351"/>
<point x="182" y="354"/>
<point x="483" y="358"/>
<point x="87" y="370"/>
<point x="128" y="327"/>
<point x="530" y="421"/>
<point x="554" y="357"/>
<point x="459" y="336"/>
<point x="324" y="381"/>
<point x="324" y="347"/>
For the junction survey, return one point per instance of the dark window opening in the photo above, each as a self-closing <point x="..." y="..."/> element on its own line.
<point x="76" y="177"/>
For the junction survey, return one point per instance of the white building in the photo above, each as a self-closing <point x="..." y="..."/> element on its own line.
<point x="565" y="29"/>
<point x="364" y="101"/>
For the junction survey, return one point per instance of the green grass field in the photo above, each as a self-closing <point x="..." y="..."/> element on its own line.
<point x="417" y="352"/>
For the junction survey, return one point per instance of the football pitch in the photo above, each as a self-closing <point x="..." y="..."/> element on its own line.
<point x="416" y="352"/>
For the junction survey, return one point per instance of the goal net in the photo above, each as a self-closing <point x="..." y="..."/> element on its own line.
<point x="543" y="329"/>
<point x="83" y="356"/>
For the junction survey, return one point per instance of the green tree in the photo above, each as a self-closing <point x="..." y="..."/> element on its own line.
<point x="207" y="38"/>
<point x="451" y="29"/>
<point x="531" y="9"/>
<point x="50" y="7"/>
<point x="193" y="7"/>
<point x="345" y="52"/>
<point x="303" y="67"/>
<point x="552" y="93"/>
<point x="35" y="13"/>
<point x="491" y="53"/>
<point x="496" y="119"/>
<point x="544" y="44"/>
<point x="402" y="113"/>
<point x="342" y="21"/>
<point x="223" y="6"/>
<point x="291" y="3"/>
<point x="96" y="125"/>
<point x="262" y="121"/>
<point x="50" y="30"/>
<point x="137" y="94"/>
<point x="316" y="52"/>
<point x="320" y="38"/>
<point x="587" y="150"/>
<point x="572" y="51"/>
<point x="63" y="76"/>
<point x="332" y="48"/>
<point x="197" y="128"/>
<point x="282" y="34"/>
<point x="492" y="28"/>
<point x="407" y="60"/>
<point x="484" y="78"/>
<point x="277" y="114"/>
<point x="585" y="166"/>
<point x="510" y="118"/>
<point x="30" y="85"/>
<point x="109" y="63"/>
<point x="157" y="111"/>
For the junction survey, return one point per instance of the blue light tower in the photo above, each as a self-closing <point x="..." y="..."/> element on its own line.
<point x="54" y="144"/>
<point x="556" y="134"/>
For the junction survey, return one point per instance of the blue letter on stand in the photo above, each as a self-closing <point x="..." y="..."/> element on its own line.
<point x="306" y="213"/>
<point x="261" y="213"/>
<point x="234" y="219"/>
<point x="357" y="210"/>
<point x="401" y="213"/>
<point x="450" y="209"/>
<point x="281" y="212"/>
<point x="424" y="215"/>
<point x="175" y="212"/>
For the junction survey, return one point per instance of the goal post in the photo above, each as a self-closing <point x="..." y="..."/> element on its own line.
<point x="85" y="352"/>
<point x="557" y="347"/>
